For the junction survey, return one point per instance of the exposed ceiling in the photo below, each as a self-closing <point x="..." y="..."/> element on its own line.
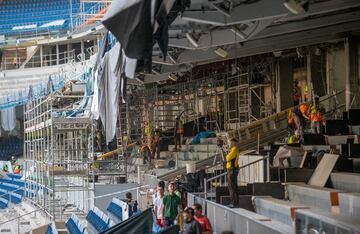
<point x="251" y="27"/>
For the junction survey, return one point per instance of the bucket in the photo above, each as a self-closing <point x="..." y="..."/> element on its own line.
<point x="190" y="168"/>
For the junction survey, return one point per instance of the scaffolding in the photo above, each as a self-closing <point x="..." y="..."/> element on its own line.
<point x="58" y="156"/>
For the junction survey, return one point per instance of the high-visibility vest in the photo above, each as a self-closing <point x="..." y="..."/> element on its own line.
<point x="315" y="115"/>
<point x="293" y="139"/>
<point x="180" y="128"/>
<point x="304" y="108"/>
<point x="291" y="117"/>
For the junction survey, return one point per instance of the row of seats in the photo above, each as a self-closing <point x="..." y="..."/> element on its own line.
<point x="16" y="182"/>
<point x="13" y="197"/>
<point x="39" y="12"/>
<point x="10" y="146"/>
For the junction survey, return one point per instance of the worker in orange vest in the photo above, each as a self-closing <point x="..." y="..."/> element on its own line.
<point x="291" y="121"/>
<point x="316" y="117"/>
<point x="301" y="114"/>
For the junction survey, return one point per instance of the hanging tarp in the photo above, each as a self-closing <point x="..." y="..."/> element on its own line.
<point x="138" y="224"/>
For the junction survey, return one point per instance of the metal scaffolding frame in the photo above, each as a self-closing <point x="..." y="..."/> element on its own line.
<point x="58" y="156"/>
<point x="234" y="83"/>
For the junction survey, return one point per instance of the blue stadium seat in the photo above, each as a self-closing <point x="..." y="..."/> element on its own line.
<point x="3" y="203"/>
<point x="115" y="210"/>
<point x="97" y="222"/>
<point x="74" y="226"/>
<point x="20" y="13"/>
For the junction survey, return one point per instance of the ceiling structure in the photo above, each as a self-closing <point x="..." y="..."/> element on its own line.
<point x="239" y="28"/>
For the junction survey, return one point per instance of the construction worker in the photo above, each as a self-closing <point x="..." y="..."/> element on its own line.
<point x="232" y="168"/>
<point x="156" y="138"/>
<point x="316" y="117"/>
<point x="14" y="62"/>
<point x="179" y="132"/>
<point x="145" y="153"/>
<point x="296" y="93"/>
<point x="5" y="168"/>
<point x="295" y="138"/>
<point x="300" y="116"/>
<point x="291" y="121"/>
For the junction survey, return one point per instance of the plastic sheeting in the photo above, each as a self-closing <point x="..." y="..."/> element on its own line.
<point x="141" y="223"/>
<point x="8" y="119"/>
<point x="42" y="89"/>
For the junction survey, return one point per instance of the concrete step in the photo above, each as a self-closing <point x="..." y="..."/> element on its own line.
<point x="276" y="209"/>
<point x="346" y="181"/>
<point x="316" y="221"/>
<point x="182" y="163"/>
<point x="266" y="223"/>
<point x="197" y="148"/>
<point x="317" y="197"/>
<point x="349" y="204"/>
<point x="186" y="155"/>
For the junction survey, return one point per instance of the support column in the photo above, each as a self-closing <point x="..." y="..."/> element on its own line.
<point x="57" y="55"/>
<point x="352" y="74"/>
<point x="82" y="51"/>
<point x="41" y="55"/>
<point x="284" y="84"/>
<point x="316" y="72"/>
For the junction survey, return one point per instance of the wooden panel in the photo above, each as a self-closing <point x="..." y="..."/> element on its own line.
<point x="323" y="170"/>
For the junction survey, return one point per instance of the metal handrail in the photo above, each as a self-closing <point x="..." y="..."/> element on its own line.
<point x="223" y="175"/>
<point x="242" y="167"/>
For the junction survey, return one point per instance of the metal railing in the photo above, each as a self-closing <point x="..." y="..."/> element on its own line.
<point x="91" y="16"/>
<point x="38" y="61"/>
<point x="221" y="180"/>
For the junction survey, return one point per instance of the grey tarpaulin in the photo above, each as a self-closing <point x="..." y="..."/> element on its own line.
<point x="137" y="224"/>
<point x="130" y="22"/>
<point x="175" y="229"/>
<point x="138" y="24"/>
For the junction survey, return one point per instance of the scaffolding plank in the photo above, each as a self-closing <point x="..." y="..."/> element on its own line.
<point x="323" y="170"/>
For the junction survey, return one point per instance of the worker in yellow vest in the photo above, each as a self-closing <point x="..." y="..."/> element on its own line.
<point x="232" y="168"/>
<point x="295" y="138"/>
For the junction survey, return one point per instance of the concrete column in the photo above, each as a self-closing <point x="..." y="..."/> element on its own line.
<point x="57" y="55"/>
<point x="41" y="55"/>
<point x="352" y="74"/>
<point x="284" y="84"/>
<point x="82" y="51"/>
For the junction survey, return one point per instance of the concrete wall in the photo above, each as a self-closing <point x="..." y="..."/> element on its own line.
<point x="284" y="85"/>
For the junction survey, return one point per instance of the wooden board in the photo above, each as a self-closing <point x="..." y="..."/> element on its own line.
<point x="323" y="170"/>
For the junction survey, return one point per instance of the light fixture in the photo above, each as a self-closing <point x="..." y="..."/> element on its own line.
<point x="172" y="77"/>
<point x="224" y="7"/>
<point x="221" y="52"/>
<point x="239" y="33"/>
<point x="297" y="6"/>
<point x="192" y="40"/>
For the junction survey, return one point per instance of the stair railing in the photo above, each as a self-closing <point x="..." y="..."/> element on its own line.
<point x="221" y="179"/>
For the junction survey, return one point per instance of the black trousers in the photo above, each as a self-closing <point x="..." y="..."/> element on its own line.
<point x="232" y="175"/>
